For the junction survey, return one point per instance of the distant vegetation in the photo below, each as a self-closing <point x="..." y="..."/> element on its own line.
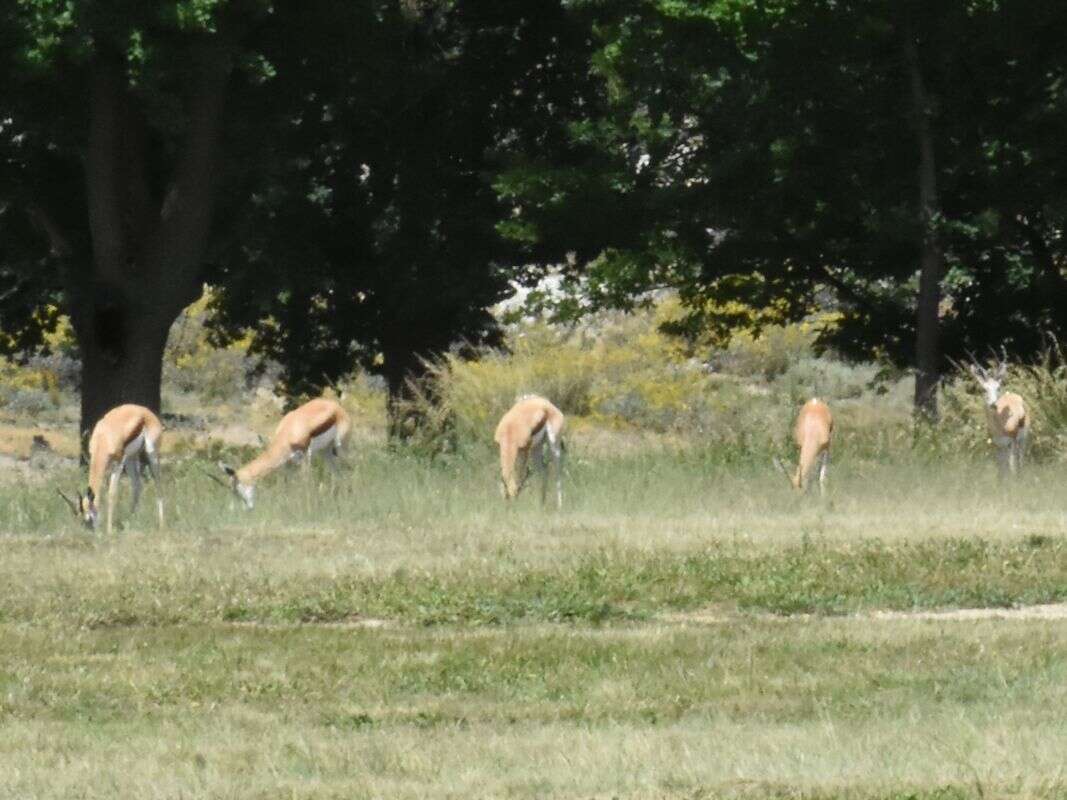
<point x="612" y="374"/>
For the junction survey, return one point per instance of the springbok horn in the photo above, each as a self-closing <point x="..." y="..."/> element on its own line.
<point x="73" y="506"/>
<point x="1002" y="367"/>
<point x="215" y="478"/>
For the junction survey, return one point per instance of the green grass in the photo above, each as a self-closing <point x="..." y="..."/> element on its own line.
<point x="169" y="580"/>
<point x="748" y="708"/>
<point x="685" y="627"/>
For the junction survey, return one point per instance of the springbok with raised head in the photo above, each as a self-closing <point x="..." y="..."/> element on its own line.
<point x="534" y="425"/>
<point x="813" y="431"/>
<point x="121" y="439"/>
<point x="319" y="425"/>
<point x="1009" y="424"/>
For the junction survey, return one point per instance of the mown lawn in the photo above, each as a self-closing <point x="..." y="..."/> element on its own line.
<point x="751" y="707"/>
<point x="684" y="628"/>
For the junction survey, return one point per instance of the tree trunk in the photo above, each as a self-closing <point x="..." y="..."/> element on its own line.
<point x="122" y="358"/>
<point x="931" y="261"/>
<point x="147" y="247"/>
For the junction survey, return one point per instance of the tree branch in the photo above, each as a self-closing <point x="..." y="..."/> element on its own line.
<point x="849" y="292"/>
<point x="189" y="202"/>
<point x="58" y="242"/>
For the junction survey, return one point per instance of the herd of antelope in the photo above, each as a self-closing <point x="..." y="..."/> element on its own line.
<point x="129" y="435"/>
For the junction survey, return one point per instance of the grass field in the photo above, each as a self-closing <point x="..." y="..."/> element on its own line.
<point x="685" y="628"/>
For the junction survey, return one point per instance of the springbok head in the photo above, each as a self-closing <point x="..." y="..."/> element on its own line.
<point x="990" y="381"/>
<point x="84" y="508"/>
<point x="247" y="492"/>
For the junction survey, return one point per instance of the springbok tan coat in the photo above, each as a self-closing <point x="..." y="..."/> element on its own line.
<point x="813" y="432"/>
<point x="534" y="425"/>
<point x="320" y="425"/>
<point x="119" y="440"/>
<point x="1006" y="418"/>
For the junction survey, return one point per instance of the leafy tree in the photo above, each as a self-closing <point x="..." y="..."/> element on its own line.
<point x="115" y="141"/>
<point x="373" y="239"/>
<point x="329" y="166"/>
<point x="902" y="154"/>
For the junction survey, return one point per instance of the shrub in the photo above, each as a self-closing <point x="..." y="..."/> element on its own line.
<point x="29" y="402"/>
<point x="824" y="377"/>
<point x="63" y="368"/>
<point x="28" y="389"/>
<point x="192" y="364"/>
<point x="363" y="396"/>
<point x="621" y="372"/>
<point x="771" y="353"/>
<point x="616" y="370"/>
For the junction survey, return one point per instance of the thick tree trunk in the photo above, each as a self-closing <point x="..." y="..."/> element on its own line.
<point x="147" y="247"/>
<point x="122" y="358"/>
<point x="931" y="261"/>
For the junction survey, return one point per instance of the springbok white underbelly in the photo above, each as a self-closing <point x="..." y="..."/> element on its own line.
<point x="323" y="440"/>
<point x="538" y="437"/>
<point x="134" y="446"/>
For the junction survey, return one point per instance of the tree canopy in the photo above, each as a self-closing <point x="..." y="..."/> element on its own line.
<point x="372" y="239"/>
<point x="771" y="151"/>
<point x="363" y="180"/>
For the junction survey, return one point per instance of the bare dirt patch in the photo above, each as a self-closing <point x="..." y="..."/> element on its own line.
<point x="1046" y="611"/>
<point x="355" y="621"/>
<point x="720" y="616"/>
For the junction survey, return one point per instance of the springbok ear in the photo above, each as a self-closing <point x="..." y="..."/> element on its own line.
<point x="227" y="469"/>
<point x="1002" y="370"/>
<point x="74" y="507"/>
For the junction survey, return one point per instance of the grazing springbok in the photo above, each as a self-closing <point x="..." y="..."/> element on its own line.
<point x="813" y="431"/>
<point x="122" y="437"/>
<point x="318" y="425"/>
<point x="532" y="424"/>
<point x="1009" y="424"/>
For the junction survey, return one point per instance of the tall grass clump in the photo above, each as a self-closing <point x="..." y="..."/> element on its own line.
<point x="620" y="372"/>
<point x="623" y="373"/>
<point x="769" y="355"/>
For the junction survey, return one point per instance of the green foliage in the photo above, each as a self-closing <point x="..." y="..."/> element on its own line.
<point x="373" y="239"/>
<point x="828" y="378"/>
<point x="192" y="362"/>
<point x="28" y="390"/>
<point x="719" y="168"/>
<point x="621" y="372"/>
<point x="769" y="354"/>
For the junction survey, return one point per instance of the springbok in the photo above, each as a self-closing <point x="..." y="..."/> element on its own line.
<point x="532" y="424"/>
<point x="1009" y="424"/>
<point x="122" y="437"/>
<point x="318" y="425"/>
<point x="813" y="431"/>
